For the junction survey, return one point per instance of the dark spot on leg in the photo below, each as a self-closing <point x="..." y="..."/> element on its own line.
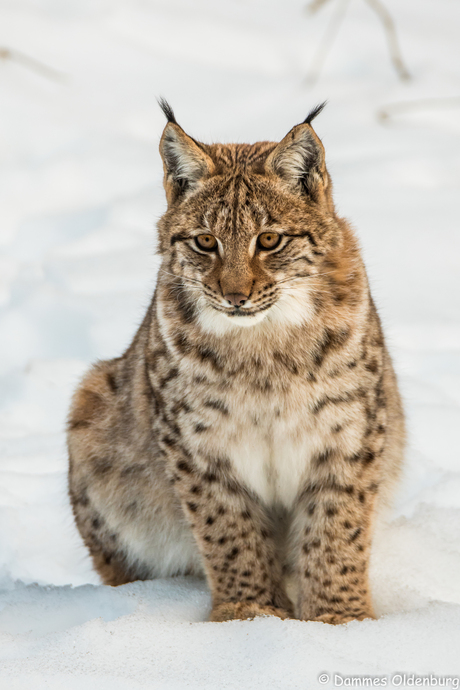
<point x="368" y="457"/>
<point x="323" y="457"/>
<point x="217" y="405"/>
<point x="210" y="477"/>
<point x="183" y="466"/>
<point x="372" y="366"/>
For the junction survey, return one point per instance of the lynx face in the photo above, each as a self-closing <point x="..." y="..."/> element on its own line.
<point x="247" y="227"/>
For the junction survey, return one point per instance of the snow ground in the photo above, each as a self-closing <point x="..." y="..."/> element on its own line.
<point x="79" y="195"/>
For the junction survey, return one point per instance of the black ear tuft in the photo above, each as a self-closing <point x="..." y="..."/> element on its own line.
<point x="313" y="113"/>
<point x="168" y="111"/>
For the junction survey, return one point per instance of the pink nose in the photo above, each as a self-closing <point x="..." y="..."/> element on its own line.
<point x="236" y="300"/>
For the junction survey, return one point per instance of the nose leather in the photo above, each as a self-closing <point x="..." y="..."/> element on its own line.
<point x="237" y="300"/>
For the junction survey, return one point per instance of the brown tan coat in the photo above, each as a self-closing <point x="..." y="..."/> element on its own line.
<point x="254" y="427"/>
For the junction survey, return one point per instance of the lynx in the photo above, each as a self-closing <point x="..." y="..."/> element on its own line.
<point x="253" y="429"/>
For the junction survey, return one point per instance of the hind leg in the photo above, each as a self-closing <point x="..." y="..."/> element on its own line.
<point x="123" y="502"/>
<point x="133" y="538"/>
<point x="114" y="569"/>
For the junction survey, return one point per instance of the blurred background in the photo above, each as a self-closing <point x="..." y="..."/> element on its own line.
<point x="80" y="194"/>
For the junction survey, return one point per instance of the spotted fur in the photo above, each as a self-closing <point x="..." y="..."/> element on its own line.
<point x="254" y="444"/>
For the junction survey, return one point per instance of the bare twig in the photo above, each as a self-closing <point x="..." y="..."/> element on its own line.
<point x="31" y="63"/>
<point x="392" y="39"/>
<point x="388" y="111"/>
<point x="315" y="5"/>
<point x="328" y="39"/>
<point x="333" y="28"/>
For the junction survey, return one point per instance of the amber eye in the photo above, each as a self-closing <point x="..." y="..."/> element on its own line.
<point x="268" y="240"/>
<point x="206" y="242"/>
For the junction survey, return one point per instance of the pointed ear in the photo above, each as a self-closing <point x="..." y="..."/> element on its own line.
<point x="300" y="162"/>
<point x="185" y="162"/>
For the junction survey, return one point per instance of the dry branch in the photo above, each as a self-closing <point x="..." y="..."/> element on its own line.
<point x="392" y="39"/>
<point x="32" y="64"/>
<point x="334" y="25"/>
<point x="388" y="111"/>
<point x="329" y="36"/>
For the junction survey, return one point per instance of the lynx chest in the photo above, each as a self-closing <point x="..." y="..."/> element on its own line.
<point x="269" y="440"/>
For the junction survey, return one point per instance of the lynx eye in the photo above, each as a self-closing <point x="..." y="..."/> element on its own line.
<point x="268" y="240"/>
<point x="206" y="242"/>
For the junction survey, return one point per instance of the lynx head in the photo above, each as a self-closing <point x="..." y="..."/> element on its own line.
<point x="250" y="234"/>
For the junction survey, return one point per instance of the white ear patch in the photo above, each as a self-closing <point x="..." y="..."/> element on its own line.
<point x="180" y="159"/>
<point x="184" y="160"/>
<point x="296" y="159"/>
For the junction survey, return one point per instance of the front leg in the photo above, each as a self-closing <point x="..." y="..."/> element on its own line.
<point x="334" y="524"/>
<point x="234" y="539"/>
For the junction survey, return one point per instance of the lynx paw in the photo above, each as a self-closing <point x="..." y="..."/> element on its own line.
<point x="338" y="619"/>
<point x="243" y="610"/>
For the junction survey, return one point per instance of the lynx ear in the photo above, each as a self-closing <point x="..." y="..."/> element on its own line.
<point x="299" y="159"/>
<point x="184" y="160"/>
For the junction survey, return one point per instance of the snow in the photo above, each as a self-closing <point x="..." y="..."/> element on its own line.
<point x="80" y="191"/>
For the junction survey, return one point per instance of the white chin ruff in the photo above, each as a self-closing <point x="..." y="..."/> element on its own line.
<point x="292" y="308"/>
<point x="246" y="320"/>
<point x="219" y="323"/>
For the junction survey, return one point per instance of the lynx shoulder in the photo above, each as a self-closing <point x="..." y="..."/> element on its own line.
<point x="253" y="429"/>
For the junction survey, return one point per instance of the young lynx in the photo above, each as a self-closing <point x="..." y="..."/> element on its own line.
<point x="253" y="427"/>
